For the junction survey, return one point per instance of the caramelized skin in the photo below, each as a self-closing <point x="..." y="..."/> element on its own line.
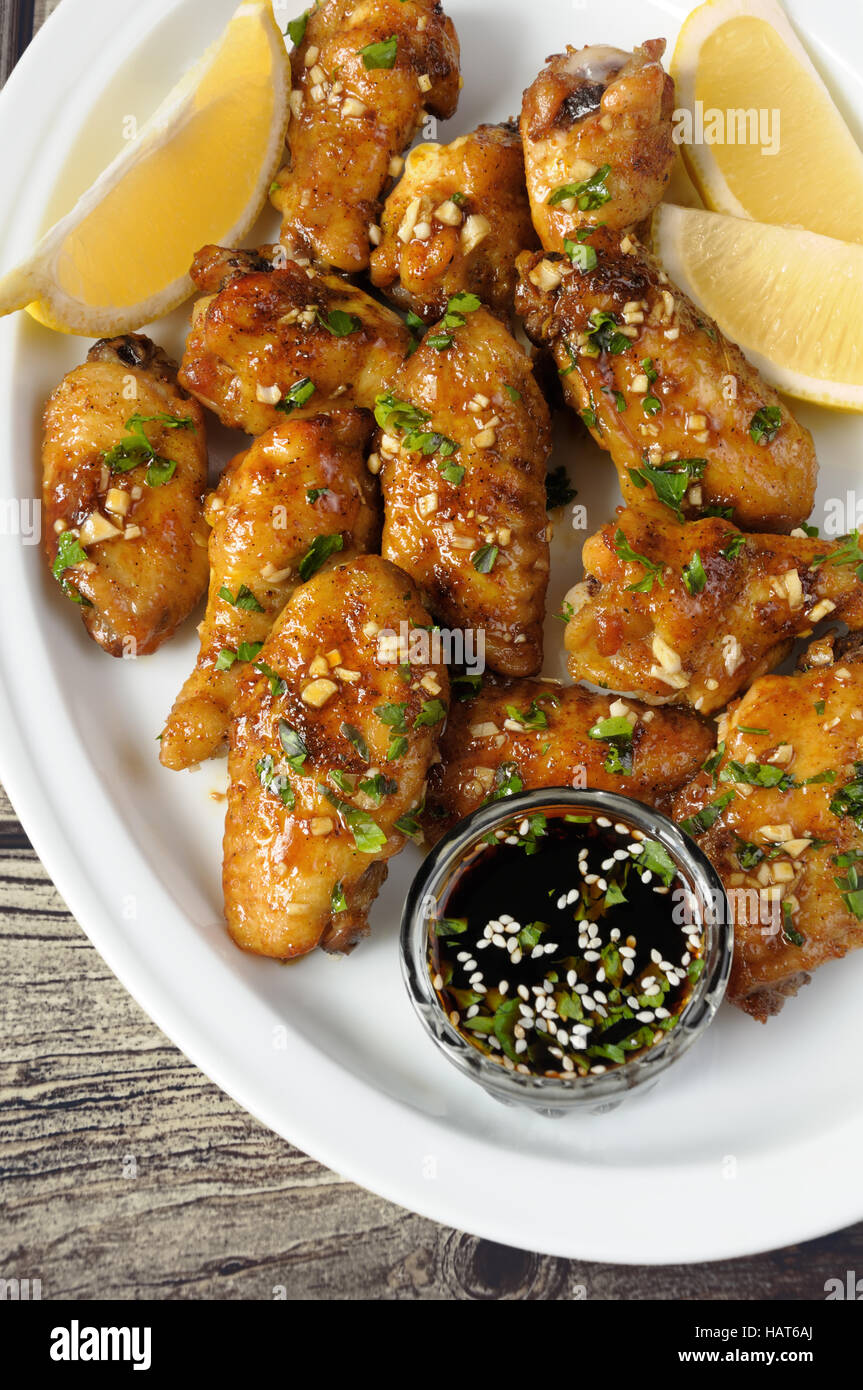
<point x="473" y="243"/>
<point x="436" y="529"/>
<point x="700" y="649"/>
<point x="587" y="109"/>
<point x="349" y="120"/>
<point x="262" y="328"/>
<point x="790" y="915"/>
<point x="706" y="390"/>
<point x="283" y="867"/>
<point x="265" y="515"/>
<point x="483" y="741"/>
<point x="139" y="583"/>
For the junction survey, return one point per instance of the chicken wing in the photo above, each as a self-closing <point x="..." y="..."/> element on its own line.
<point x="659" y="387"/>
<point x="124" y="471"/>
<point x="328" y="761"/>
<point x="300" y="495"/>
<point x="364" y="75"/>
<point x="693" y="612"/>
<point x="598" y="147"/>
<point x="271" y="337"/>
<point x="780" y="815"/>
<point x="456" y="221"/>
<point x="514" y="735"/>
<point x="464" y="442"/>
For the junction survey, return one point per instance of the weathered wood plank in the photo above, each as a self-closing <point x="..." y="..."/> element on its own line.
<point x="125" y="1173"/>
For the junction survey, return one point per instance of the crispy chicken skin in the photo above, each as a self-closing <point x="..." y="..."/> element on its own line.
<point x="456" y="221"/>
<point x="592" y="110"/>
<point x="656" y="382"/>
<point x="780" y="850"/>
<point x="757" y="594"/>
<point x="349" y="768"/>
<point x="537" y="731"/>
<point x="146" y="543"/>
<point x="261" y="330"/>
<point x="352" y="116"/>
<point x="476" y="543"/>
<point x="302" y="484"/>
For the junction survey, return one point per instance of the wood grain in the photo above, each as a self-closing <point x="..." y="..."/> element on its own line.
<point x="126" y="1174"/>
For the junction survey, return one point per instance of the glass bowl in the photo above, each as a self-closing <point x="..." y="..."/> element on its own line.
<point x="556" y="1095"/>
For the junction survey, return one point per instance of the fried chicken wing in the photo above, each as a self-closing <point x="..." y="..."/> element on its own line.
<point x="328" y="761"/>
<point x="300" y="498"/>
<point x="693" y="612"/>
<point x="780" y="815"/>
<point x="596" y="126"/>
<point x="464" y="442"/>
<point x="456" y="221"/>
<point x="271" y="337"/>
<point x="124" y="471"/>
<point x="514" y="735"/>
<point x="364" y="75"/>
<point x="660" y="387"/>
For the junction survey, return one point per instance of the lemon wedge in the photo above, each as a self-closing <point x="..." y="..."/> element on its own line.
<point x="199" y="171"/>
<point x="742" y="74"/>
<point x="792" y="299"/>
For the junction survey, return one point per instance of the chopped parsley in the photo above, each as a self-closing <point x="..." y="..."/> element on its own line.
<point x="135" y="449"/>
<point x="277" y="685"/>
<point x="294" y="746"/>
<point x="69" y="552"/>
<point x="765" y="423"/>
<point x="338" y="902"/>
<point x="616" y="731"/>
<point x="321" y="548"/>
<point x="694" y="576"/>
<point x="275" y="782"/>
<point x="707" y="816"/>
<point x="394" y="716"/>
<point x="244" y="598"/>
<point x="590" y="193"/>
<point x="339" y="323"/>
<point x="850" y="552"/>
<point x="848" y="801"/>
<point x="296" y="29"/>
<point x="558" y="491"/>
<point x="583" y="257"/>
<point x="484" y="558"/>
<point x="457" y="306"/>
<point x="654" y="569"/>
<point x="354" y="736"/>
<point x="604" y="335"/>
<point x="670" y="480"/>
<point x="380" y="55"/>
<point x="432" y="712"/>
<point x="297" y="395"/>
<point x="531" y="718"/>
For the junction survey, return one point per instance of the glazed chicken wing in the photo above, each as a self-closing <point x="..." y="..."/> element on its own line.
<point x="364" y="76"/>
<point x="661" y="389"/>
<point x="780" y="814"/>
<point x="456" y="221"/>
<point x="271" y="337"/>
<point x="514" y="735"/>
<point x="328" y="761"/>
<point x="598" y="148"/>
<point x="464" y="442"/>
<point x="124" y="471"/>
<point x="299" y="498"/>
<point x="693" y="612"/>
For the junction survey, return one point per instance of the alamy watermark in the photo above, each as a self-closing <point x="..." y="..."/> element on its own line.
<point x="734" y="126"/>
<point x="435" y="646"/>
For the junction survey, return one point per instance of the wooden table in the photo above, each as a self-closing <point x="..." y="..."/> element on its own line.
<point x="127" y="1174"/>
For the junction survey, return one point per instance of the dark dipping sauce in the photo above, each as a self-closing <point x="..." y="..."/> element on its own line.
<point x="566" y="945"/>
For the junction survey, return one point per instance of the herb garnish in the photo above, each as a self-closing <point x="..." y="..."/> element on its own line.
<point x="297" y="395"/>
<point x="589" y="193"/>
<point x="321" y="548"/>
<point x="764" y="425"/>
<point x="244" y="598"/>
<point x="135" y="449"/>
<point x="380" y="55"/>
<point x="654" y="569"/>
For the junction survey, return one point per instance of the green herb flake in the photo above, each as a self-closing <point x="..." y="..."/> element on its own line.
<point x="765" y="423"/>
<point x="380" y="55"/>
<point x="590" y="193"/>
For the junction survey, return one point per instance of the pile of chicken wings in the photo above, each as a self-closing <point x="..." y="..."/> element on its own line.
<point x="393" y="492"/>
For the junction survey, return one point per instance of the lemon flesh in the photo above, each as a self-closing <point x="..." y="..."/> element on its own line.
<point x="792" y="299"/>
<point x="742" y="56"/>
<point x="199" y="172"/>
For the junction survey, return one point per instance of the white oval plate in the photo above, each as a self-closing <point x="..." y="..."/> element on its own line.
<point x="752" y="1142"/>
